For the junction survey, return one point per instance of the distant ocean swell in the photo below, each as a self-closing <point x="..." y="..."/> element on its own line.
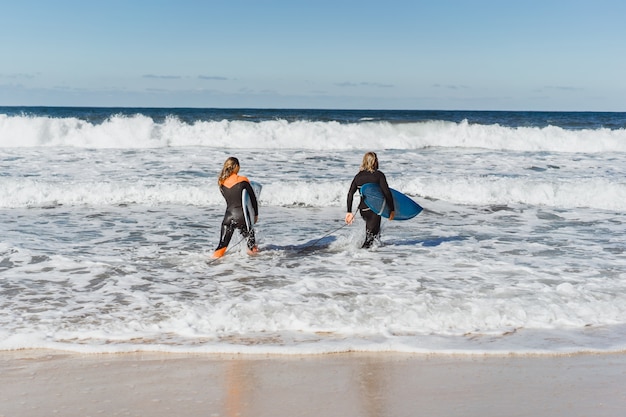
<point x="141" y="131"/>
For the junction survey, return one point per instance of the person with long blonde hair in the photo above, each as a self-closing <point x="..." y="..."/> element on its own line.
<point x="369" y="173"/>
<point x="231" y="186"/>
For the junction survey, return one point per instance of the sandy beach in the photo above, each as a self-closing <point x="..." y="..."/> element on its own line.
<point x="47" y="383"/>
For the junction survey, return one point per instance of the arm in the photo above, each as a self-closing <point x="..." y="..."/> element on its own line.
<point x="382" y="181"/>
<point x="353" y="188"/>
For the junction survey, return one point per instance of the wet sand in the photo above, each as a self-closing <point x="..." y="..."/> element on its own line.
<point x="48" y="383"/>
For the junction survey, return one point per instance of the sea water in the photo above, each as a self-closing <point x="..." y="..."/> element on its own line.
<point x="109" y="217"/>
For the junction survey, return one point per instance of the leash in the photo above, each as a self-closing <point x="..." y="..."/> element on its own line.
<point x="326" y="235"/>
<point x="299" y="251"/>
<point x="227" y="250"/>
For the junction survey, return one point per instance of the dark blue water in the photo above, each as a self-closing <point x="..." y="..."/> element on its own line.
<point x="565" y="120"/>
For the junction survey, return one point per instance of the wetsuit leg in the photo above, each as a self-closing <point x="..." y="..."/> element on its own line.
<point x="228" y="227"/>
<point x="249" y="235"/>
<point x="372" y="227"/>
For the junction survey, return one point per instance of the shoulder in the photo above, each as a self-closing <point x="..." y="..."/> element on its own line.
<point x="234" y="180"/>
<point x="358" y="178"/>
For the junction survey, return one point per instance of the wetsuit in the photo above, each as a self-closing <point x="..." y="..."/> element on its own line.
<point x="232" y="189"/>
<point x="372" y="220"/>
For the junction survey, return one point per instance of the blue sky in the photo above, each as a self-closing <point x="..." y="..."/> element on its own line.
<point x="439" y="54"/>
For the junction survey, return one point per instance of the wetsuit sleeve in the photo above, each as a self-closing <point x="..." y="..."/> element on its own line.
<point x="255" y="204"/>
<point x="382" y="181"/>
<point x="351" y="192"/>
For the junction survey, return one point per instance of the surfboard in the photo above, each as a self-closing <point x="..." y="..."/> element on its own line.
<point x="405" y="207"/>
<point x="248" y="208"/>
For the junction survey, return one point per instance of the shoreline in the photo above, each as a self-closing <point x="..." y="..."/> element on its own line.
<point x="42" y="382"/>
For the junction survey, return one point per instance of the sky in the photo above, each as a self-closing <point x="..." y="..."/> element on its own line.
<point x="536" y="55"/>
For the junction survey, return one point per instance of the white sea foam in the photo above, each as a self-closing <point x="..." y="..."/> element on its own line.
<point x="106" y="230"/>
<point x="305" y="178"/>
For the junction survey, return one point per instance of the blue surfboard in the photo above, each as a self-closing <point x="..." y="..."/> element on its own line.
<point x="405" y="207"/>
<point x="248" y="208"/>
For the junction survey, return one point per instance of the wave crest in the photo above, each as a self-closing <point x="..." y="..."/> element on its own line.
<point x="140" y="131"/>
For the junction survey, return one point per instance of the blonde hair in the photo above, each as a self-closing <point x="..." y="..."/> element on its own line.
<point x="231" y="166"/>
<point x="370" y="162"/>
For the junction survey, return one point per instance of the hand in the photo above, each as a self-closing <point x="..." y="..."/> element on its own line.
<point x="392" y="215"/>
<point x="349" y="218"/>
<point x="256" y="219"/>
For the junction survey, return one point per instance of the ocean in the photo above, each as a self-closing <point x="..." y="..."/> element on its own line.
<point x="109" y="218"/>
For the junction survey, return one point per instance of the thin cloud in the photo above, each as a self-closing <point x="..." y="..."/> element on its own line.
<point x="363" y="84"/>
<point x="20" y="75"/>
<point x="67" y="88"/>
<point x="162" y="77"/>
<point x="212" y="77"/>
<point x="562" y="88"/>
<point x="451" y="86"/>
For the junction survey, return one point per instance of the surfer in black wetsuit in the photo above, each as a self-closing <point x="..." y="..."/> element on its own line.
<point x="231" y="186"/>
<point x="369" y="173"/>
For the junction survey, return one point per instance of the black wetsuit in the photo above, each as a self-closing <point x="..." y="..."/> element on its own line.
<point x="372" y="220"/>
<point x="234" y="218"/>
